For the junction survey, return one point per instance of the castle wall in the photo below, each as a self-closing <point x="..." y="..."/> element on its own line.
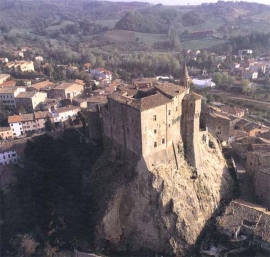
<point x="161" y="127"/>
<point x="94" y="122"/>
<point x="121" y="128"/>
<point x="190" y="133"/>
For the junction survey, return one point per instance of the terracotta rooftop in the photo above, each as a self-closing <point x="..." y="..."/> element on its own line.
<point x="4" y="76"/>
<point x="240" y="213"/>
<point x="26" y="95"/>
<point x="14" y="119"/>
<point x="232" y="110"/>
<point x="97" y="99"/>
<point x="27" y="117"/>
<point x="261" y="147"/>
<point x="43" y="84"/>
<point x="41" y="115"/>
<point x="263" y="228"/>
<point x="66" y="109"/>
<point x="9" y="83"/>
<point x="192" y="96"/>
<point x="79" y="81"/>
<point x="8" y="90"/>
<point x="4" y="129"/>
<point x="170" y="89"/>
<point x="64" y="85"/>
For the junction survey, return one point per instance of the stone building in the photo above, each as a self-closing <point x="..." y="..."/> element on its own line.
<point x="258" y="169"/>
<point x="153" y="121"/>
<point x="218" y="125"/>
<point x="31" y="101"/>
<point x="246" y="225"/>
<point x="67" y="90"/>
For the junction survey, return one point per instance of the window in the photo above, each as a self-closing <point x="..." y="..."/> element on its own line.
<point x="155" y="117"/>
<point x="169" y="112"/>
<point x="155" y="131"/>
<point x="128" y="131"/>
<point x="155" y="144"/>
<point x="163" y="140"/>
<point x="218" y="127"/>
<point x="176" y="108"/>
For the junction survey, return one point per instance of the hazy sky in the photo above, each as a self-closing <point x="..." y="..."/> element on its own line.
<point x="191" y="2"/>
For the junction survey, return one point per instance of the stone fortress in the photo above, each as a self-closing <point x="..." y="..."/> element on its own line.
<point x="153" y="121"/>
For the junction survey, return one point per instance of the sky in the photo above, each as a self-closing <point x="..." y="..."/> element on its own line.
<point x="191" y="2"/>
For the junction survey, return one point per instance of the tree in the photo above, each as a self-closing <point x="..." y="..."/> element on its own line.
<point x="49" y="126"/>
<point x="245" y="86"/>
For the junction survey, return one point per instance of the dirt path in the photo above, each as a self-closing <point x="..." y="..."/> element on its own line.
<point x="250" y="100"/>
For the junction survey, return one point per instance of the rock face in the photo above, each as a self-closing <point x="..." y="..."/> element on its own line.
<point x="162" y="210"/>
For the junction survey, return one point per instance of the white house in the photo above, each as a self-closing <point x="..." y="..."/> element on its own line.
<point x="39" y="58"/>
<point x="63" y="114"/>
<point x="15" y="123"/>
<point x="8" y="157"/>
<point x="203" y="83"/>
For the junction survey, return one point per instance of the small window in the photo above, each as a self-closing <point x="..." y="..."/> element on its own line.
<point x="176" y="108"/>
<point x="155" y="131"/>
<point x="155" y="117"/>
<point x="155" y="144"/>
<point x="190" y="105"/>
<point x="128" y="131"/>
<point x="169" y="112"/>
<point x="163" y="140"/>
<point x="218" y="127"/>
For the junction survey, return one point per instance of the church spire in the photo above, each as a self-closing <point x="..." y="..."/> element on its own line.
<point x="185" y="79"/>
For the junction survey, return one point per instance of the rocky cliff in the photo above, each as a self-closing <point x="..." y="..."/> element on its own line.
<point x="158" y="210"/>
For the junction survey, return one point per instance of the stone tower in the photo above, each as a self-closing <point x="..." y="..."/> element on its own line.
<point x="185" y="80"/>
<point x="191" y="106"/>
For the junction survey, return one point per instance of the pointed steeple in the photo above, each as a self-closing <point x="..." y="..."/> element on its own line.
<point x="185" y="72"/>
<point x="185" y="79"/>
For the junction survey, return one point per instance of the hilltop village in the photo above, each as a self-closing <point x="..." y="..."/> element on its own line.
<point x="151" y="121"/>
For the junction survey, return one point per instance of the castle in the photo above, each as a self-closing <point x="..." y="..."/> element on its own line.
<point x="153" y="121"/>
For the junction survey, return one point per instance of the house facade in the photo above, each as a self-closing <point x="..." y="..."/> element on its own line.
<point x="8" y="95"/>
<point x="6" y="133"/>
<point x="30" y="100"/>
<point x="8" y="157"/>
<point x="67" y="90"/>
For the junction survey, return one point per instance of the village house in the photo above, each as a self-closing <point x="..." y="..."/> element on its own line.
<point x="97" y="100"/>
<point x="247" y="225"/>
<point x="43" y="85"/>
<point x="41" y="118"/>
<point x="257" y="168"/>
<point x="218" y="125"/>
<point x="8" y="94"/>
<point x="9" y="83"/>
<point x="39" y="58"/>
<point x="102" y="74"/>
<point x="21" y="66"/>
<point x="5" y="133"/>
<point x="15" y="123"/>
<point x="81" y="102"/>
<point x="64" y="113"/>
<point x="50" y="104"/>
<point x="4" y="60"/>
<point x="67" y="90"/>
<point x="25" y="48"/>
<point x="24" y="123"/>
<point x="8" y="157"/>
<point x="30" y="101"/>
<point x="18" y="54"/>
<point x="4" y="77"/>
<point x="236" y="111"/>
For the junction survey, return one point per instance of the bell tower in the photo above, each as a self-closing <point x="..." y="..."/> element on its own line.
<point x="185" y="80"/>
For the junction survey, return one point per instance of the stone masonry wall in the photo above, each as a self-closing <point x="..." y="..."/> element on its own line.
<point x="191" y="124"/>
